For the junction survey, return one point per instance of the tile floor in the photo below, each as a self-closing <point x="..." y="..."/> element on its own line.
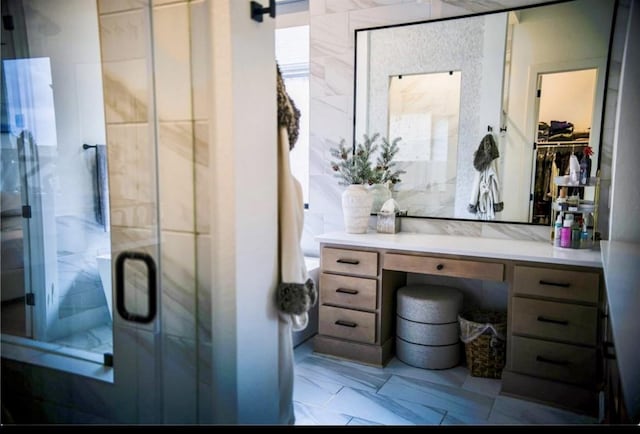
<point x="331" y="391"/>
<point x="96" y="340"/>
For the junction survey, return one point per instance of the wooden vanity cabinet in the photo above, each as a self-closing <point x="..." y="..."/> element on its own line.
<point x="554" y="326"/>
<point x="357" y="296"/>
<point x="554" y="334"/>
<point x="352" y="321"/>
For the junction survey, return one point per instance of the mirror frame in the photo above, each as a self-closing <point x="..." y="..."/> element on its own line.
<point x="601" y="113"/>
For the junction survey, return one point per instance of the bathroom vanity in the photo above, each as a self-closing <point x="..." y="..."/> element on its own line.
<point x="554" y="304"/>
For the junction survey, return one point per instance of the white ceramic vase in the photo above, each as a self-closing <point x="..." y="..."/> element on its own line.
<point x="356" y="207"/>
<point x="380" y="194"/>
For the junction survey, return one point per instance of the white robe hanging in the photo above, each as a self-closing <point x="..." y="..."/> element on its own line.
<point x="292" y="268"/>
<point x="485" y="193"/>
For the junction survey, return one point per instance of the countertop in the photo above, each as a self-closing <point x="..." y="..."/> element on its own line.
<point x="621" y="265"/>
<point x="534" y="251"/>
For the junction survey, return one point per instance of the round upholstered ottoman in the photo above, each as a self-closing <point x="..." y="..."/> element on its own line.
<point x="427" y="328"/>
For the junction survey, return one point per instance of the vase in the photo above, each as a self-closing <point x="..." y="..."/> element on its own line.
<point x="380" y="194"/>
<point x="356" y="207"/>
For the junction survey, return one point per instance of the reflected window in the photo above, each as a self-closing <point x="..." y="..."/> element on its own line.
<point x="424" y="109"/>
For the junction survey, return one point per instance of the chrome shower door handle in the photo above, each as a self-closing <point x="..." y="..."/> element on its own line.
<point x="152" y="305"/>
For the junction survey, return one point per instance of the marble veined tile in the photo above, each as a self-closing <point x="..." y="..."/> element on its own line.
<point x="357" y="421"/>
<point x="516" y="232"/>
<point x="321" y="369"/>
<point x="312" y="415"/>
<point x="384" y="409"/>
<point x="438" y="396"/>
<point x="486" y="386"/>
<point x="89" y="339"/>
<point x="178" y="284"/>
<point x="454" y="377"/>
<point x="463" y="419"/>
<point x="509" y="410"/>
<point x="176" y="176"/>
<point x="303" y="350"/>
<point x="314" y="391"/>
<point x="172" y="62"/>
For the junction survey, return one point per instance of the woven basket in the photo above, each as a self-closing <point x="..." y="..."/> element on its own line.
<point x="485" y="353"/>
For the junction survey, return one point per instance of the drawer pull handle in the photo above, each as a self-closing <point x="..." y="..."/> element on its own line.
<point x="552" y="362"/>
<point x="348" y="261"/>
<point x="553" y="321"/>
<point x="439" y="266"/>
<point x="347" y="291"/>
<point x="562" y="285"/>
<point x="346" y="323"/>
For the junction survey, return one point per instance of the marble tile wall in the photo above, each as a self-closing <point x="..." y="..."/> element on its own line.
<point x="140" y="205"/>
<point x="332" y="25"/>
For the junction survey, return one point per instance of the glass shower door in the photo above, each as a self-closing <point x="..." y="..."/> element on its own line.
<point x="63" y="227"/>
<point x="52" y="105"/>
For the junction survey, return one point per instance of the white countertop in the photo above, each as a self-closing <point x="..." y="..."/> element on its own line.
<point x="621" y="263"/>
<point x="536" y="251"/>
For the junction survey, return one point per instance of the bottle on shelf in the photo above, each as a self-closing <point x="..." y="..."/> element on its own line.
<point x="556" y="231"/>
<point x="586" y="239"/>
<point x="575" y="233"/>
<point x="565" y="234"/>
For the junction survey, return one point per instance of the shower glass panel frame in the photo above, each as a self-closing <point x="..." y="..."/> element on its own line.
<point x="56" y="234"/>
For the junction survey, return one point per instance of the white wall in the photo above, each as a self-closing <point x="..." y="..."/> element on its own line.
<point x="625" y="194"/>
<point x="243" y="217"/>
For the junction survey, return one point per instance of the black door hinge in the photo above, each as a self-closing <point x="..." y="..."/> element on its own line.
<point x="30" y="299"/>
<point x="26" y="211"/>
<point x="539" y="93"/>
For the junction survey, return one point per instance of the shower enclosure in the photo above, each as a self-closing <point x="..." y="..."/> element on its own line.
<point x="138" y="76"/>
<point x="52" y="225"/>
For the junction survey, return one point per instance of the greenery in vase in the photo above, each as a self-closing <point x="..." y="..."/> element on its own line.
<point x="385" y="171"/>
<point x="356" y="167"/>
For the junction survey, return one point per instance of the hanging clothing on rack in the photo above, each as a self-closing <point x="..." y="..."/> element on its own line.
<point x="485" y="199"/>
<point x="296" y="293"/>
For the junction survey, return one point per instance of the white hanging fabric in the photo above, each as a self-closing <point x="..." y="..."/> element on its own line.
<point x="296" y="293"/>
<point x="485" y="199"/>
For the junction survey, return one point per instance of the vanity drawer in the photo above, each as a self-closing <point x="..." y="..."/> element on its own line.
<point x="551" y="320"/>
<point x="444" y="267"/>
<point x="347" y="324"/>
<point x="561" y="284"/>
<point x="353" y="292"/>
<point x="350" y="261"/>
<point x="555" y="361"/>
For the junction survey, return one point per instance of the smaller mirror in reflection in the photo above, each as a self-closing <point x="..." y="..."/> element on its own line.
<point x="424" y="109"/>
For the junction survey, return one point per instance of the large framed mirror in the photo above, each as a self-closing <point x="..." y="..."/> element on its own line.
<point x="451" y="87"/>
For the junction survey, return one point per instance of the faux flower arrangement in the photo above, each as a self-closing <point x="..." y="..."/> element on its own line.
<point x="357" y="168"/>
